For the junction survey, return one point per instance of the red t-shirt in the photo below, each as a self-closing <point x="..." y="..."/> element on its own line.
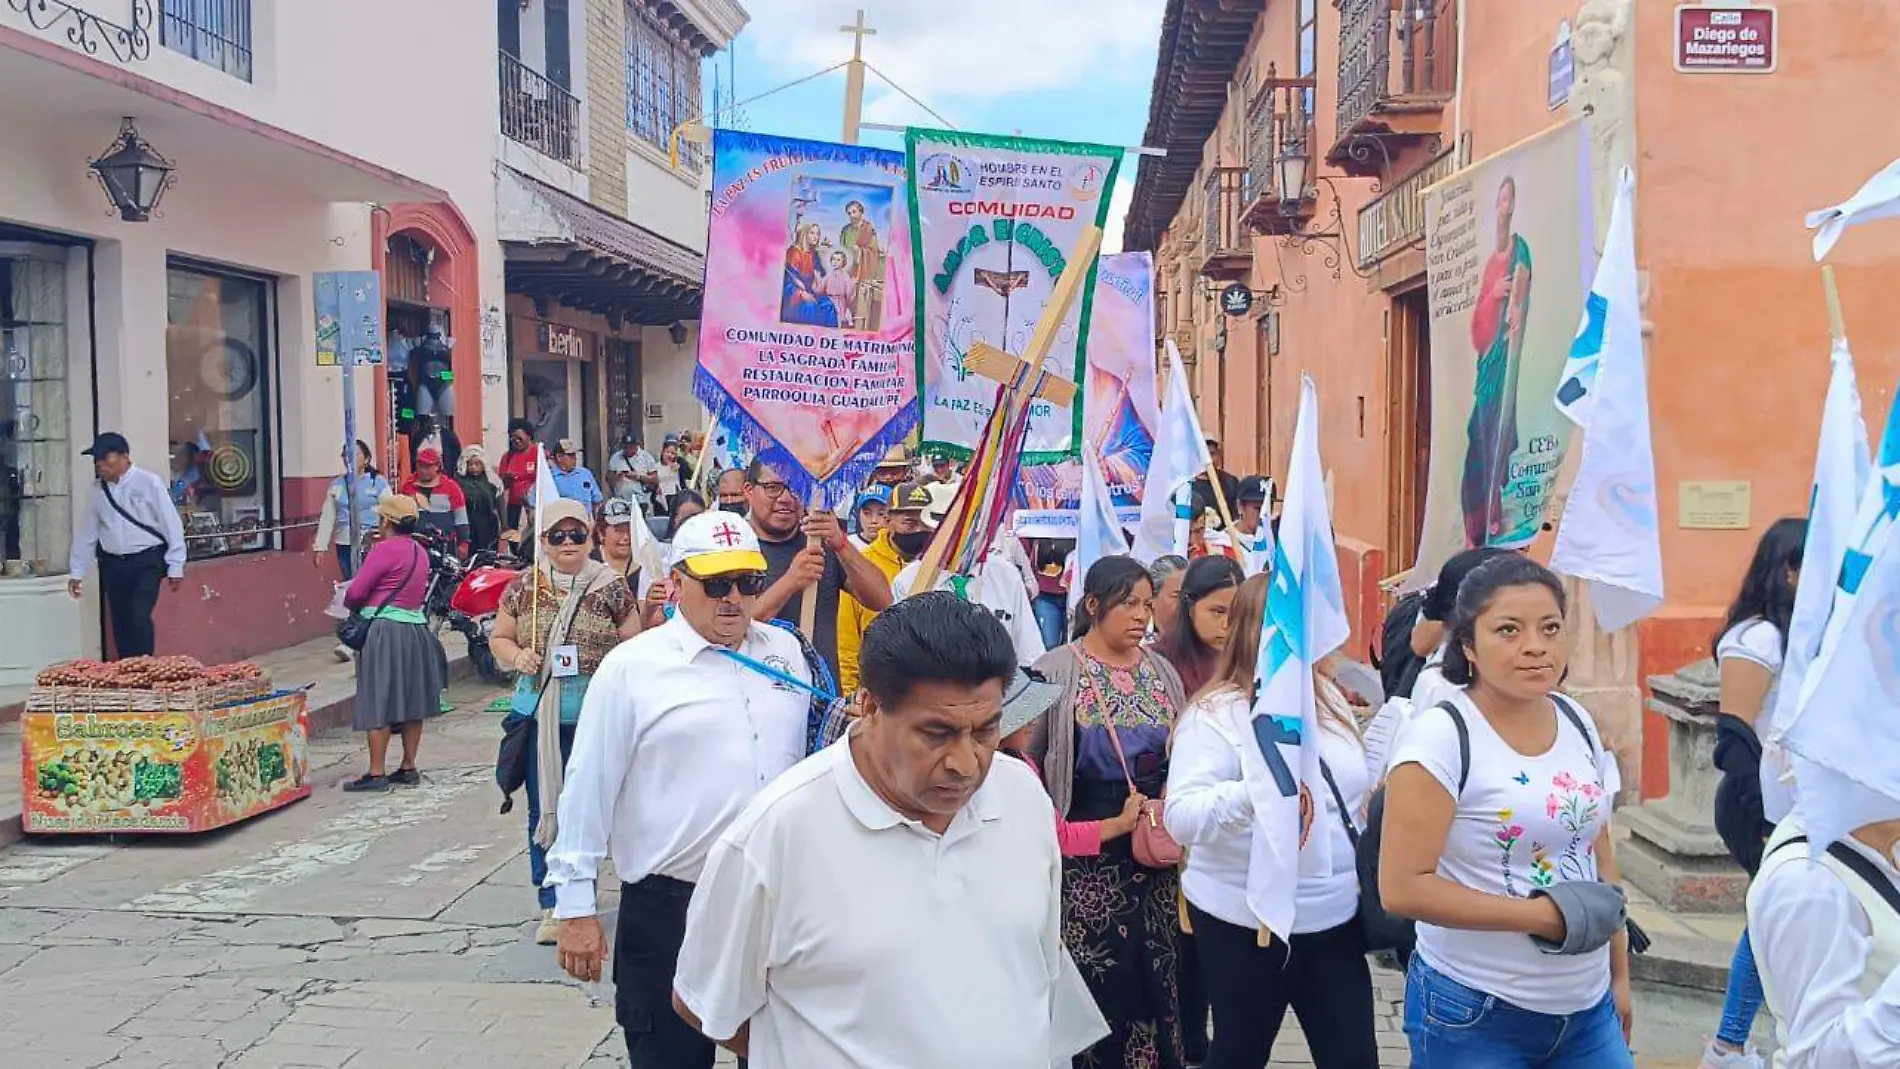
<point x="517" y="475"/>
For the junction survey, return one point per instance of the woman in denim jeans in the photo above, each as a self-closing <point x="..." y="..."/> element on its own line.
<point x="1479" y="836"/>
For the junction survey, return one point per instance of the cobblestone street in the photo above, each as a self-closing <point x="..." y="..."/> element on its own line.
<point x="349" y="931"/>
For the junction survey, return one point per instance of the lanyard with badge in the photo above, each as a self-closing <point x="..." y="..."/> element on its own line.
<point x="776" y="675"/>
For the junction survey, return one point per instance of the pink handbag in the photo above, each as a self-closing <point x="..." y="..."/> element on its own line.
<point x="1152" y="845"/>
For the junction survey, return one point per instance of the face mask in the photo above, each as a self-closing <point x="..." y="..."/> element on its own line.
<point x="911" y="545"/>
<point x="726" y="506"/>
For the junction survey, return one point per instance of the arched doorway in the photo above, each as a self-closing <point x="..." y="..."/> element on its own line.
<point x="431" y="284"/>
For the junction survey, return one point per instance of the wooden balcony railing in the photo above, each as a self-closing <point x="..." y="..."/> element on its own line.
<point x="1226" y="244"/>
<point x="538" y="113"/>
<point x="1278" y="116"/>
<point x="1395" y="219"/>
<point x="1398" y="65"/>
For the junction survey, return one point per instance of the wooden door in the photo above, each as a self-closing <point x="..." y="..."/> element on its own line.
<point x="1408" y="426"/>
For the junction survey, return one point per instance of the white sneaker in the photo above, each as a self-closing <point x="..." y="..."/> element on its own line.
<point x="343" y="653"/>
<point x="1716" y="1058"/>
<point x="549" y="931"/>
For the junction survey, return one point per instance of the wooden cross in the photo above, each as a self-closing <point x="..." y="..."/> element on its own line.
<point x="859" y="32"/>
<point x="993" y="363"/>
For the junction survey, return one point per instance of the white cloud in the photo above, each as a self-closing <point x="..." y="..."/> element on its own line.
<point x="1118" y="202"/>
<point x="971" y="49"/>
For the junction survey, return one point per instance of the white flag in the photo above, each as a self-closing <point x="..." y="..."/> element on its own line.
<point x="1610" y="536"/>
<point x="1098" y="531"/>
<point x="646" y="550"/>
<point x="1180" y="456"/>
<point x="1878" y="199"/>
<point x="1305" y="620"/>
<point x="1845" y="731"/>
<point x="1841" y="466"/>
<point x="544" y="489"/>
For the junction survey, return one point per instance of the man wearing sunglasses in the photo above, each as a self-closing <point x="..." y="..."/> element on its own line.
<point x="682" y="726"/>
<point x="807" y="552"/>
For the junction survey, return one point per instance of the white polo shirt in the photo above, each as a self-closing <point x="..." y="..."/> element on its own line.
<point x="853" y="938"/>
<point x="674" y="739"/>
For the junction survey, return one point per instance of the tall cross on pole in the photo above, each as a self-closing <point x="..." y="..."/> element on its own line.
<point x="854" y="78"/>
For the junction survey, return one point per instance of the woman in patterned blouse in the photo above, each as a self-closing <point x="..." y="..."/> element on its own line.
<point x="1110" y="729"/>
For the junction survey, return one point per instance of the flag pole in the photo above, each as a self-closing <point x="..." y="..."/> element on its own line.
<point x="1836" y="323"/>
<point x="1220" y="499"/>
<point x="808" y="601"/>
<point x="705" y="447"/>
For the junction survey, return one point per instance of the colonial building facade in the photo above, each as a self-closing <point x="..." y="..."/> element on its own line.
<point x="1365" y="103"/>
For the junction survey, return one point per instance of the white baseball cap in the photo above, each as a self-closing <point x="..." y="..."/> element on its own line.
<point x="716" y="543"/>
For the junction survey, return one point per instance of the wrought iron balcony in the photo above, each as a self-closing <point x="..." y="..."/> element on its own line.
<point x="1226" y="244"/>
<point x="539" y="114"/>
<point x="1395" y="219"/>
<point x="1398" y="66"/>
<point x="1279" y="116"/>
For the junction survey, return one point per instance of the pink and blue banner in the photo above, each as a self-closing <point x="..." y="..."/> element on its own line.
<point x="807" y="342"/>
<point x="1120" y="408"/>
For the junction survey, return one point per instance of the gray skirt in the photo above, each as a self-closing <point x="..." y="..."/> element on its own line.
<point x="400" y="675"/>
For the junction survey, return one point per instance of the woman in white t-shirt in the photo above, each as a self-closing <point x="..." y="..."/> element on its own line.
<point x="1478" y="837"/>
<point x="1753" y="795"/>
<point x="1318" y="968"/>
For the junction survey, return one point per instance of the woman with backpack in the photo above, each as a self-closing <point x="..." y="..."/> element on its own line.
<point x="1318" y="968"/>
<point x="1751" y="797"/>
<point x="1496" y="840"/>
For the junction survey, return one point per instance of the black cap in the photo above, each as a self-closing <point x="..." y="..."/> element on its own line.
<point x="1252" y="488"/>
<point x="629" y="439"/>
<point x="106" y="443"/>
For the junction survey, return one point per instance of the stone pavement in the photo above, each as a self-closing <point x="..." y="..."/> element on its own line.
<point x="361" y="931"/>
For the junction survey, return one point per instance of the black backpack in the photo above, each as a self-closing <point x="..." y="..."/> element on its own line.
<point x="1386" y="931"/>
<point x="1398" y="666"/>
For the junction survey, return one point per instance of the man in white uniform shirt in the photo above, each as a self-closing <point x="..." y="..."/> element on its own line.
<point x="997" y="584"/>
<point x="682" y="725"/>
<point x="134" y="530"/>
<point x="895" y="900"/>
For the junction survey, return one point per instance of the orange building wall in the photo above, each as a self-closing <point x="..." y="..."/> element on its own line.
<point x="1730" y="165"/>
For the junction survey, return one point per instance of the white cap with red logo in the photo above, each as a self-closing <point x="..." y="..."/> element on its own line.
<point x="716" y="543"/>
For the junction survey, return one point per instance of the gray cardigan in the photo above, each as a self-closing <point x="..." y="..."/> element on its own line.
<point x="1052" y="743"/>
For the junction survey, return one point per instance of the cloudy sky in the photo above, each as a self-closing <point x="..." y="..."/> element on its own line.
<point x="1070" y="69"/>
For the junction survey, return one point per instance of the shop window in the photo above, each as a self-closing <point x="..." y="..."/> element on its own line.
<point x="217" y="363"/>
<point x="662" y="84"/>
<point x="36" y="451"/>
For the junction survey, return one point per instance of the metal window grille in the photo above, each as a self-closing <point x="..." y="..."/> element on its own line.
<point x="662" y="85"/>
<point x="216" y="33"/>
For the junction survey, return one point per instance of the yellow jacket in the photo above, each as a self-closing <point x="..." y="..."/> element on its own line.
<point x="853" y="617"/>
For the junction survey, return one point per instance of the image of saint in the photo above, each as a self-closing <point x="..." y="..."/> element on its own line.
<point x="1497" y="335"/>
<point x="802" y="298"/>
<point x="859" y="237"/>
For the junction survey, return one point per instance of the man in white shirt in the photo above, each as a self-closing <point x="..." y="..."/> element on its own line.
<point x="633" y="473"/>
<point x="682" y="725"/>
<point x="135" y="532"/>
<point x="896" y="898"/>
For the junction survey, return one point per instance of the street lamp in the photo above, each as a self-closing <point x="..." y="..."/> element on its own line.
<point x="1290" y="167"/>
<point x="134" y="176"/>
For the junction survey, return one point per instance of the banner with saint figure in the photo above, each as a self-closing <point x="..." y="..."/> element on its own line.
<point x="1510" y="244"/>
<point x="807" y="335"/>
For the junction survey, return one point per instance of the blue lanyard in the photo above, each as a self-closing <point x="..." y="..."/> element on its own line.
<point x="772" y="673"/>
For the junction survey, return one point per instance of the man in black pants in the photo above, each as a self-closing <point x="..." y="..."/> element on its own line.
<point x="135" y="532"/>
<point x="682" y="726"/>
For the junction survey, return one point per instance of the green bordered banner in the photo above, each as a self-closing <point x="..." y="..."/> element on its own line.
<point x="993" y="220"/>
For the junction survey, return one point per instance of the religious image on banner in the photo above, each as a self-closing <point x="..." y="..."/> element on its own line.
<point x="1509" y="242"/>
<point x="995" y="219"/>
<point x="1120" y="409"/>
<point x="807" y="335"/>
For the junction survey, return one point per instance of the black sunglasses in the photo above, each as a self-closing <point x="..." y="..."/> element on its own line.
<point x="567" y="536"/>
<point x="750" y="586"/>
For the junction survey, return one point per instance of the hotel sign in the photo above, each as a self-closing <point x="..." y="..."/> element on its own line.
<point x="1726" y="39"/>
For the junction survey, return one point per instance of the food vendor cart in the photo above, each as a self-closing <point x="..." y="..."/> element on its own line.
<point x="158" y="745"/>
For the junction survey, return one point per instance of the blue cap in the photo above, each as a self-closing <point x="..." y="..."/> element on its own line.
<point x="875" y="494"/>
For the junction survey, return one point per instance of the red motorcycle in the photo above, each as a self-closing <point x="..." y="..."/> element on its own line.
<point x="473" y="604"/>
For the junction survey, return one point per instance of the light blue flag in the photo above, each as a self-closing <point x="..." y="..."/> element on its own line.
<point x="1098" y="530"/>
<point x="1305" y="620"/>
<point x="1841" y="469"/>
<point x="1845" y="733"/>
<point x="1609" y="536"/>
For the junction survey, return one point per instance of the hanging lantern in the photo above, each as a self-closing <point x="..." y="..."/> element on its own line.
<point x="134" y="176"/>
